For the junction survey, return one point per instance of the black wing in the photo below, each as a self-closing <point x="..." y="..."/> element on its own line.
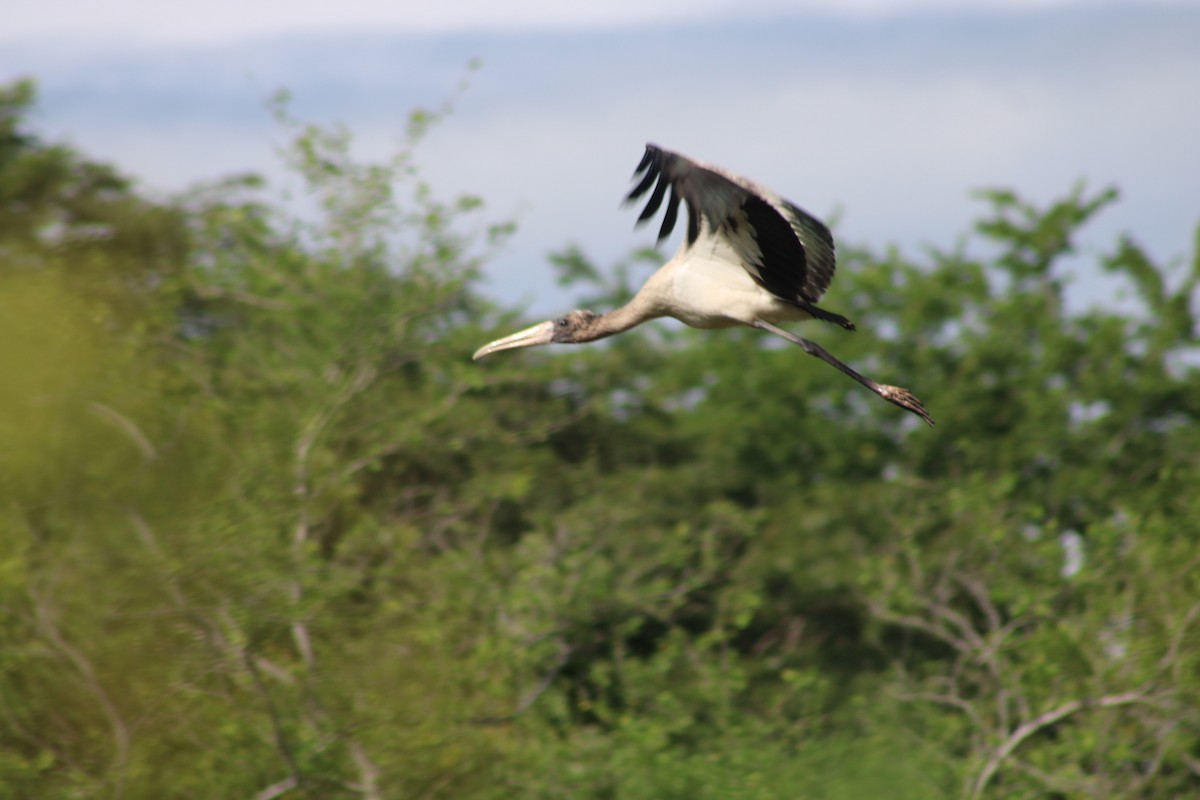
<point x="787" y="251"/>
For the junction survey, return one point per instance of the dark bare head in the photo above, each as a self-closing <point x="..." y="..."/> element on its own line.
<point x="573" y="328"/>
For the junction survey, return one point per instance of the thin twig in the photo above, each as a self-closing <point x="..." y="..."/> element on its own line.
<point x="281" y="741"/>
<point x="49" y="629"/>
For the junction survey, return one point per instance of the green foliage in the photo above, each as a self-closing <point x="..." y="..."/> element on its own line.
<point x="268" y="531"/>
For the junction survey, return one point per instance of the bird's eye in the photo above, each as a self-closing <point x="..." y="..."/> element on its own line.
<point x="562" y="322"/>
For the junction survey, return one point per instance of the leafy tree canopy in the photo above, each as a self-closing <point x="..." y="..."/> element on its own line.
<point x="268" y="531"/>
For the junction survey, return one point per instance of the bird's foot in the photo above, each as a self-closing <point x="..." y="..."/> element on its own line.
<point x="906" y="400"/>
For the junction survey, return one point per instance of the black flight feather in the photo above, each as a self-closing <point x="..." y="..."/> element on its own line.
<point x="668" y="223"/>
<point x="655" y="200"/>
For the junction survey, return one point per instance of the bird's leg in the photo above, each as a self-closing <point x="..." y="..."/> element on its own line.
<point x="893" y="394"/>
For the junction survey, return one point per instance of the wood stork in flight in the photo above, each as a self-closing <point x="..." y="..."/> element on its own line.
<point x="750" y="258"/>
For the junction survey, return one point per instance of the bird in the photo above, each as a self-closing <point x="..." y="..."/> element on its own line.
<point x="749" y="258"/>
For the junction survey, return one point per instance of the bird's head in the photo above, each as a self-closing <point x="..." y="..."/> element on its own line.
<point x="568" y="329"/>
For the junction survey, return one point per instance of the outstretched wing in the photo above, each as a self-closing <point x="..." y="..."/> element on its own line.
<point x="786" y="250"/>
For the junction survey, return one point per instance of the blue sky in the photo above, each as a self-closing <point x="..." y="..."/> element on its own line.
<point x="887" y="113"/>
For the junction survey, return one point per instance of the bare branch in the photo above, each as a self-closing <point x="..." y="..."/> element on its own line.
<point x="1171" y="657"/>
<point x="938" y="632"/>
<point x="962" y="624"/>
<point x="369" y="785"/>
<point x="276" y="789"/>
<point x="953" y="701"/>
<point x="1045" y="720"/>
<point x="982" y="598"/>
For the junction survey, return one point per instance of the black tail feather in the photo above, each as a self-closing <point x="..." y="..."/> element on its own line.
<point x="825" y="316"/>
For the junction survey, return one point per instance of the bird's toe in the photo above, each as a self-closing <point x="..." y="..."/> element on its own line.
<point x="906" y="400"/>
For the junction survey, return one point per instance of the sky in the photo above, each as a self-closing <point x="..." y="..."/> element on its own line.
<point x="222" y="21"/>
<point x="884" y="114"/>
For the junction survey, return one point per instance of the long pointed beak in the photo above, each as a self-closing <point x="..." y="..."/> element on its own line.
<point x="542" y="333"/>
